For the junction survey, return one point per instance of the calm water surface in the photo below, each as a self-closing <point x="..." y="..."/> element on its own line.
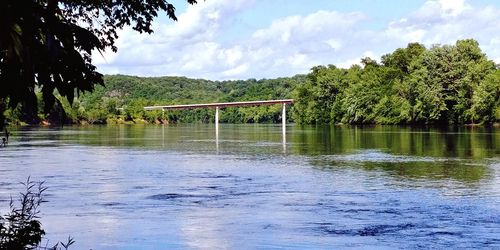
<point x="168" y="187"/>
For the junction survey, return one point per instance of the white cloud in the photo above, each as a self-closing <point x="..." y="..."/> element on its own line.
<point x="237" y="71"/>
<point x="293" y="44"/>
<point x="335" y="44"/>
<point x="453" y="7"/>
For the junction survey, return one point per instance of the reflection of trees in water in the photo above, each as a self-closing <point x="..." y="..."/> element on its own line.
<point x="438" y="169"/>
<point x="415" y="153"/>
<point x="464" y="142"/>
<point x="457" y="154"/>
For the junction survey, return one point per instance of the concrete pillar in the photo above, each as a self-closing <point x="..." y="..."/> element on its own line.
<point x="283" y="121"/>
<point x="217" y="129"/>
<point x="216" y="117"/>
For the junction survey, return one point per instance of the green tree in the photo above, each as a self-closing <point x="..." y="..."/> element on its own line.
<point x="444" y="79"/>
<point x="135" y="109"/>
<point x="402" y="59"/>
<point x="362" y="98"/>
<point x="486" y="99"/>
<point x="450" y="84"/>
<point x="47" y="44"/>
<point x="318" y="100"/>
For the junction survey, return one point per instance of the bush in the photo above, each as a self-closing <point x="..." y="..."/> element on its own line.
<point x="20" y="228"/>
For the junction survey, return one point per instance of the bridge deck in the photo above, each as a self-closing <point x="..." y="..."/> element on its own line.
<point x="219" y="105"/>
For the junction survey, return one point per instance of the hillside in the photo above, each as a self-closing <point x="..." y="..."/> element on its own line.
<point x="133" y="93"/>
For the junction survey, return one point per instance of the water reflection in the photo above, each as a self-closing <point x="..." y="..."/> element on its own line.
<point x="455" y="142"/>
<point x="217" y="137"/>
<point x="411" y="167"/>
<point x="457" y="153"/>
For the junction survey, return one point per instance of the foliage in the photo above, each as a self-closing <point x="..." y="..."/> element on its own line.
<point x="450" y="84"/>
<point x="46" y="45"/>
<point x="486" y="99"/>
<point x="124" y="97"/>
<point x="20" y="228"/>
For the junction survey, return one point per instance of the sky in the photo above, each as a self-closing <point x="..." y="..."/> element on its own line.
<point x="242" y="39"/>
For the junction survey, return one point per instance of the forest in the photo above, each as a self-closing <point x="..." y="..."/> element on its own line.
<point x="450" y="84"/>
<point x="123" y="98"/>
<point x="441" y="85"/>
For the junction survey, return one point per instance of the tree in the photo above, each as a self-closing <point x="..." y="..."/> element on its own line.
<point x="46" y="45"/>
<point x="402" y="58"/>
<point x="444" y="79"/>
<point x="362" y="98"/>
<point x="450" y="84"/>
<point x="318" y="100"/>
<point x="486" y="99"/>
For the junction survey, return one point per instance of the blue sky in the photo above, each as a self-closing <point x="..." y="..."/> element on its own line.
<point x="240" y="39"/>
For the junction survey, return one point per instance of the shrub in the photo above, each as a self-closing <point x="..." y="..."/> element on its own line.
<point x="20" y="228"/>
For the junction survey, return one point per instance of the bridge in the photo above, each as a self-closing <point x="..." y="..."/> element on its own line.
<point x="219" y="105"/>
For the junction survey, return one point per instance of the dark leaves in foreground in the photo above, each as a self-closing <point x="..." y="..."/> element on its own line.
<point x="47" y="45"/>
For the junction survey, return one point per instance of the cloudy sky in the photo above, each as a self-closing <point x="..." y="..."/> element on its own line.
<point x="241" y="39"/>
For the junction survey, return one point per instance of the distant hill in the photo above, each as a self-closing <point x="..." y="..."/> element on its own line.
<point x="132" y="93"/>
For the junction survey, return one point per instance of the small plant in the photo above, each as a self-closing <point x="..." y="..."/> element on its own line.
<point x="20" y="228"/>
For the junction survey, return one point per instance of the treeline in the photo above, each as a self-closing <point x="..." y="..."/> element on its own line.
<point x="450" y="84"/>
<point x="123" y="98"/>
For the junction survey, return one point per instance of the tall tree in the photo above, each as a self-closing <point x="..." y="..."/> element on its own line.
<point x="47" y="44"/>
<point x="403" y="58"/>
<point x="445" y="78"/>
<point x="486" y="99"/>
<point x="450" y="84"/>
<point x="318" y="100"/>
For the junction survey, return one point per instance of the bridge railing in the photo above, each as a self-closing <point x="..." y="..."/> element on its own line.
<point x="219" y="105"/>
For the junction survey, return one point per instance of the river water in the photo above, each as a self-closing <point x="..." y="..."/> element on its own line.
<point x="181" y="187"/>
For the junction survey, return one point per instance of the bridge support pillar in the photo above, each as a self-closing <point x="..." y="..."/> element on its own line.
<point x="216" y="117"/>
<point x="283" y="121"/>
<point x="217" y="128"/>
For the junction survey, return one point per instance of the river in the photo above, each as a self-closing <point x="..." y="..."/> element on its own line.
<point x="331" y="187"/>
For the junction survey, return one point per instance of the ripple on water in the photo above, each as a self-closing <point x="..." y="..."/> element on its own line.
<point x="112" y="204"/>
<point x="370" y="230"/>
<point x="184" y="197"/>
